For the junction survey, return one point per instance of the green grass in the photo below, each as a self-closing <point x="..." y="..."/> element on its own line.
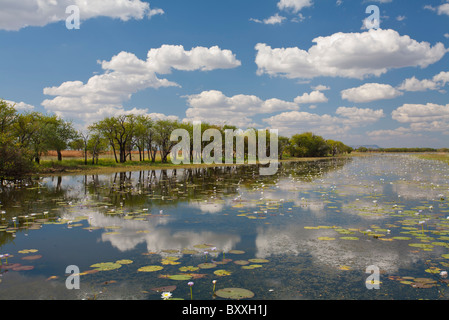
<point x="435" y="156"/>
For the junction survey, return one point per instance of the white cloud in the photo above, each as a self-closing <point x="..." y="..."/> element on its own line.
<point x="413" y="84"/>
<point x="321" y="87"/>
<point x="419" y="113"/>
<point x="443" y="9"/>
<point x="351" y="55"/>
<point x="294" y="5"/>
<point x="275" y="19"/>
<point x="125" y="74"/>
<point x="436" y="83"/>
<point x="20" y="106"/>
<point x="16" y="15"/>
<point x="370" y="92"/>
<point x="345" y="119"/>
<point x="313" y="97"/>
<point x="215" y="107"/>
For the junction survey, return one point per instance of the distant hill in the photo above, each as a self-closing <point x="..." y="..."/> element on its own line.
<point x="373" y="146"/>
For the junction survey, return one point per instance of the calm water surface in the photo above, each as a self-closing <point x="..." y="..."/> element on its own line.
<point x="314" y="228"/>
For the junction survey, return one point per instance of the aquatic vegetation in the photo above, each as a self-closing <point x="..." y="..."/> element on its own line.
<point x="150" y="268"/>
<point x="234" y="293"/>
<point x="106" y="266"/>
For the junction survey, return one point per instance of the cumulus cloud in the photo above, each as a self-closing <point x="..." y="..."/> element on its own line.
<point x="345" y="118"/>
<point x="125" y="74"/>
<point x="16" y="15"/>
<point x="370" y="92"/>
<point x="20" y="106"/>
<point x="313" y="97"/>
<point x="294" y="5"/>
<point x="275" y="19"/>
<point x="215" y="107"/>
<point x="350" y="55"/>
<point x="419" y="113"/>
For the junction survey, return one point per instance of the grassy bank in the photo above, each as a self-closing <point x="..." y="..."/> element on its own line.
<point x="108" y="165"/>
<point x="435" y="156"/>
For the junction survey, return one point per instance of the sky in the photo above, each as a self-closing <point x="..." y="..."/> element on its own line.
<point x="327" y="66"/>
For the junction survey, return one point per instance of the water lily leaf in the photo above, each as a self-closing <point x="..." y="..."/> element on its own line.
<point x="180" y="277"/>
<point x="424" y="246"/>
<point x="222" y="273"/>
<point x="23" y="268"/>
<point x="258" y="260"/>
<point x="349" y="238"/>
<point x="326" y="238"/>
<point x="28" y="251"/>
<point x="124" y="261"/>
<point x="164" y="289"/>
<point x="34" y="257"/>
<point x="106" y="266"/>
<point x="207" y="265"/>
<point x="188" y="251"/>
<point x="188" y="268"/>
<point x="150" y="268"/>
<point x="169" y="262"/>
<point x="241" y="262"/>
<point x="252" y="266"/>
<point x="236" y="251"/>
<point x="234" y="293"/>
<point x="445" y="256"/>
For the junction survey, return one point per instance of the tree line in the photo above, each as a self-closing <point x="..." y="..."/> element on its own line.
<point x="26" y="137"/>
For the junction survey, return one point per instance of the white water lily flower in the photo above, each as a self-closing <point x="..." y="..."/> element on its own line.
<point x="166" y="295"/>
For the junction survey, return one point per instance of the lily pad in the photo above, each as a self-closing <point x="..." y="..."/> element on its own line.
<point x="252" y="266"/>
<point x="188" y="268"/>
<point x="234" y="293"/>
<point x="164" y="289"/>
<point x="34" y="257"/>
<point x="236" y="251"/>
<point x="402" y="238"/>
<point x="23" y="268"/>
<point x="258" y="260"/>
<point x="180" y="277"/>
<point x="28" y="251"/>
<point x="124" y="261"/>
<point x="326" y="238"/>
<point x="150" y="268"/>
<point x="106" y="266"/>
<point x="207" y="265"/>
<point x="241" y="262"/>
<point x="189" y="251"/>
<point x="349" y="238"/>
<point x="222" y="273"/>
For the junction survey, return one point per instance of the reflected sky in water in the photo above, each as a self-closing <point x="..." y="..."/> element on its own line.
<point x="358" y="205"/>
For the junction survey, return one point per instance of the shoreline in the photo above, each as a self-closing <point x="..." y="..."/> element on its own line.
<point x="117" y="168"/>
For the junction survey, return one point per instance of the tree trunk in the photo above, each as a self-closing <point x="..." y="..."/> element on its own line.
<point x="59" y="155"/>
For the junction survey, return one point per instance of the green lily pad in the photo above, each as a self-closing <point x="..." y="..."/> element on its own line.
<point x="445" y="256"/>
<point x="252" y="266"/>
<point x="326" y="238"/>
<point x="106" y="266"/>
<point x="424" y="246"/>
<point x="349" y="238"/>
<point x="207" y="265"/>
<point x="234" y="293"/>
<point x="188" y="251"/>
<point x="124" y="261"/>
<point x="402" y="238"/>
<point x="180" y="277"/>
<point x="188" y="268"/>
<point x="203" y="246"/>
<point x="241" y="262"/>
<point x="150" y="268"/>
<point x="258" y="260"/>
<point x="222" y="273"/>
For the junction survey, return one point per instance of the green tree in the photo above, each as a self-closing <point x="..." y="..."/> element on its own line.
<point x="308" y="145"/>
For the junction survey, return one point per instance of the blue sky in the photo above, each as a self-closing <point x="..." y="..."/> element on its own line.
<point x="292" y="65"/>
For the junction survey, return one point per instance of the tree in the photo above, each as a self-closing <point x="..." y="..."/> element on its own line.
<point x="119" y="131"/>
<point x="164" y="129"/>
<point x="308" y="145"/>
<point x="58" y="134"/>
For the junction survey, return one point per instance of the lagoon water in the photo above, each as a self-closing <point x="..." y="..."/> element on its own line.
<point x="308" y="232"/>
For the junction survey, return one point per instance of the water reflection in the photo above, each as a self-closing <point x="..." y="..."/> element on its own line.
<point x="312" y="216"/>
